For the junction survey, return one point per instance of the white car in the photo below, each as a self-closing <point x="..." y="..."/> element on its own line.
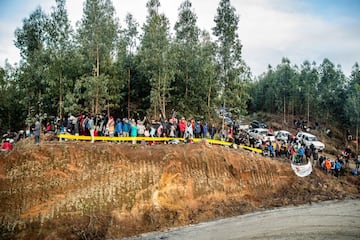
<point x="309" y="139"/>
<point x="282" y="135"/>
<point x="263" y="133"/>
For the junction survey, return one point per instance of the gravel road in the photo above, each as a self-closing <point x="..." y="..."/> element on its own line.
<point x="325" y="220"/>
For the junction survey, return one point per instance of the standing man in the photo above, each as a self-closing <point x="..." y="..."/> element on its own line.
<point x="91" y="127"/>
<point x="37" y="132"/>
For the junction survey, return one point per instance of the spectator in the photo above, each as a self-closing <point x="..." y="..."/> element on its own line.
<point x="197" y="129"/>
<point x="48" y="127"/>
<point x="332" y="167"/>
<point x="182" y="127"/>
<point x="347" y="155"/>
<point x="91" y="128"/>
<point x="204" y="130"/>
<point x="172" y="128"/>
<point x="141" y="128"/>
<point x="271" y="150"/>
<point x="133" y="130"/>
<point x="76" y="123"/>
<point x="126" y="127"/>
<point x="189" y="134"/>
<point x="315" y="157"/>
<point x="357" y="162"/>
<point x="110" y="126"/>
<point x="328" y="133"/>
<point x="308" y="153"/>
<point x="337" y="168"/>
<point x="212" y="131"/>
<point x="6" y="145"/>
<point x="301" y="153"/>
<point x="327" y="165"/>
<point x="118" y="128"/>
<point x="349" y="135"/>
<point x="37" y="132"/>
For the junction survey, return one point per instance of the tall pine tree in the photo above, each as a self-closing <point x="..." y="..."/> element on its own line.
<point x="233" y="91"/>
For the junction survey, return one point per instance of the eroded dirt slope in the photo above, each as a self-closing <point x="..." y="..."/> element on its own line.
<point x="80" y="190"/>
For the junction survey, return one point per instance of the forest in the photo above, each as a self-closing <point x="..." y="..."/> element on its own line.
<point x="152" y="70"/>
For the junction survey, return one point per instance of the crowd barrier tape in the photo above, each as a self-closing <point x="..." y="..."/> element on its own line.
<point x="151" y="139"/>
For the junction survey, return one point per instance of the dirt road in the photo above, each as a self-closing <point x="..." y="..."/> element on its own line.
<point x="325" y="220"/>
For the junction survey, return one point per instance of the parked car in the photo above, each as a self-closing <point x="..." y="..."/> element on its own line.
<point x="263" y="133"/>
<point x="309" y="139"/>
<point x="258" y="124"/>
<point x="282" y="135"/>
<point x="241" y="125"/>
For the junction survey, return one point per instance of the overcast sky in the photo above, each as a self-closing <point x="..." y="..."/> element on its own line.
<point x="268" y="29"/>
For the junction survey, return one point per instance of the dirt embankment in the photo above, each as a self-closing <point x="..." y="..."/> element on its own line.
<point x="80" y="190"/>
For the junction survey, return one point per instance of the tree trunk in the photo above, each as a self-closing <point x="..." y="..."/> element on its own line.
<point x="308" y="109"/>
<point x="357" y="138"/>
<point x="284" y="110"/>
<point x="129" y="93"/>
<point x="60" y="97"/>
<point x="163" y="97"/>
<point x="186" y="86"/>
<point x="209" y="99"/>
<point x="97" y="80"/>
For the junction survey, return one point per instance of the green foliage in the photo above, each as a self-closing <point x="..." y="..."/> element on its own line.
<point x="157" y="62"/>
<point x="125" y="67"/>
<point x="352" y="105"/>
<point x="97" y="36"/>
<point x="188" y="92"/>
<point x="233" y="93"/>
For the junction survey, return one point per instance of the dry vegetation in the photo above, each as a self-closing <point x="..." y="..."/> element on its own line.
<point x="78" y="190"/>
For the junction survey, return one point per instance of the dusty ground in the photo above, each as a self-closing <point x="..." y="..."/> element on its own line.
<point x="78" y="190"/>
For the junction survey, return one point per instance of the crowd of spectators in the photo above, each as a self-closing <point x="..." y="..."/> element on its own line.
<point x="105" y="125"/>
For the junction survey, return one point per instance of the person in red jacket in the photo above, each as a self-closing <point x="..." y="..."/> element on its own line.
<point x="6" y="145"/>
<point x="182" y="127"/>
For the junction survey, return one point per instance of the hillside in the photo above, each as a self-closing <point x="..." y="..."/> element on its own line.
<point x="78" y="190"/>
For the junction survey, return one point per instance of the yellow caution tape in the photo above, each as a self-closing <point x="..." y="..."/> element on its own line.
<point x="151" y="139"/>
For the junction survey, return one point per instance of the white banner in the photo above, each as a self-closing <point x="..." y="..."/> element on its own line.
<point x="302" y="170"/>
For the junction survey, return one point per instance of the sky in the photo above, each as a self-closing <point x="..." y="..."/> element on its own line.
<point x="268" y="29"/>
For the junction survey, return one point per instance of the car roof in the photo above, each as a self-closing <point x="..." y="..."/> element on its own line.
<point x="306" y="134"/>
<point x="261" y="129"/>
<point x="282" y="131"/>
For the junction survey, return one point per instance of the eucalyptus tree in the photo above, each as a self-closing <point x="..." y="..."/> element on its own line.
<point x="331" y="91"/>
<point x="208" y="71"/>
<point x="187" y="54"/>
<point x="3" y="98"/>
<point x="157" y="63"/>
<point x="309" y="79"/>
<point x="258" y="90"/>
<point x="125" y="65"/>
<point x="61" y="52"/>
<point x="229" y="58"/>
<point x="97" y="34"/>
<point x="30" y="39"/>
<point x="286" y="88"/>
<point x="352" y="105"/>
<point x="267" y="88"/>
<point x="11" y="111"/>
<point x="355" y="75"/>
